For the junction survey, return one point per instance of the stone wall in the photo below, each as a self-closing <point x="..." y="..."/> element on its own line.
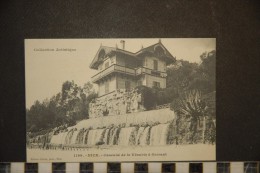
<point x="117" y="103"/>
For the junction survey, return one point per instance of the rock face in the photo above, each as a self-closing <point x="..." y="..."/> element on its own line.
<point x="117" y="103"/>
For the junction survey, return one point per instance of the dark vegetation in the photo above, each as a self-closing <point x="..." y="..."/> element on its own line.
<point x="66" y="107"/>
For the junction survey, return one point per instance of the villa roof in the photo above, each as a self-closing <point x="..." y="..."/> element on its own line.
<point x="105" y="50"/>
<point x="151" y="49"/>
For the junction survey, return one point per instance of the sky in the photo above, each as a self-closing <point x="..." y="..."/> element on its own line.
<point x="45" y="71"/>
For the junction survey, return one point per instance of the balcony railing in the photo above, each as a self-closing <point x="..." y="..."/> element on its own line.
<point x="142" y="70"/>
<point x="126" y="70"/>
<point x="113" y="68"/>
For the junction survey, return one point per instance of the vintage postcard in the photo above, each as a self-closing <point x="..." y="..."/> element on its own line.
<point x="103" y="100"/>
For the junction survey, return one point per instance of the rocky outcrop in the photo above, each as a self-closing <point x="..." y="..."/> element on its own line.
<point x="117" y="103"/>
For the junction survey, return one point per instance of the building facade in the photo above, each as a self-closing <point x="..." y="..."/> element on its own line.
<point x="121" y="69"/>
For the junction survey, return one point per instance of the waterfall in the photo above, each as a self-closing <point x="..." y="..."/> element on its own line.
<point x="124" y="136"/>
<point x="139" y="134"/>
<point x="150" y="135"/>
<point x="159" y="134"/>
<point x="54" y="139"/>
<point x="144" y="138"/>
<point x="95" y="136"/>
<point x="113" y="136"/>
<point x="74" y="137"/>
<point x="123" y="130"/>
<point x="80" y="136"/>
<point x="106" y="137"/>
<point x="57" y="139"/>
<point x="69" y="136"/>
<point x="85" y="139"/>
<point x="63" y="137"/>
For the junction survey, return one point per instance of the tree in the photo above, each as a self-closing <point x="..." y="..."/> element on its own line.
<point x="184" y="76"/>
<point x="191" y="109"/>
<point x="180" y="74"/>
<point x="39" y="116"/>
<point x="205" y="77"/>
<point x="66" y="107"/>
<point x="148" y="96"/>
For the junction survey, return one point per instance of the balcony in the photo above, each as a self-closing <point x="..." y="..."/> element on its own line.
<point x="144" y="70"/>
<point x="126" y="70"/>
<point x="111" y="69"/>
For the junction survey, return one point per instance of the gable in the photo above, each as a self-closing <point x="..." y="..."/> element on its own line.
<point x="101" y="54"/>
<point x="159" y="51"/>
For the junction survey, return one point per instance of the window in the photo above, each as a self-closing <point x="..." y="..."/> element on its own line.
<point x="155" y="64"/>
<point x="250" y="167"/>
<point x="127" y="85"/>
<point x="223" y="167"/>
<point x="106" y="87"/>
<point x="139" y="83"/>
<point x="156" y="84"/>
<point x="106" y="65"/>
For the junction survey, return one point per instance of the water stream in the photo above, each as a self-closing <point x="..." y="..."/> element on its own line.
<point x="125" y="136"/>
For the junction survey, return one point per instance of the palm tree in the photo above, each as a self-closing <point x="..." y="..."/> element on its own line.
<point x="193" y="108"/>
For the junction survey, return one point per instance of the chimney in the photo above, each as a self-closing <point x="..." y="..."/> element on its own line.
<point x="123" y="44"/>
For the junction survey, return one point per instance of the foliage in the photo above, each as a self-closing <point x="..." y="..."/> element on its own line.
<point x="192" y="89"/>
<point x="192" y="110"/>
<point x="148" y="96"/>
<point x="66" y="107"/>
<point x="184" y="76"/>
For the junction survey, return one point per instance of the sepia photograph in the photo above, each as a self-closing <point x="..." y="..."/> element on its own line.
<point x="120" y="99"/>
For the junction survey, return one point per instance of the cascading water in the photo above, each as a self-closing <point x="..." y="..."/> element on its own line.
<point x="85" y="137"/>
<point x="139" y="134"/>
<point x="68" y="137"/>
<point x="64" y="134"/>
<point x="113" y="136"/>
<point x="74" y="137"/>
<point x="145" y="136"/>
<point x="105" y="140"/>
<point x="80" y="136"/>
<point x="149" y="135"/>
<point x="125" y="135"/>
<point x="130" y="129"/>
<point x="159" y="134"/>
<point x="95" y="137"/>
